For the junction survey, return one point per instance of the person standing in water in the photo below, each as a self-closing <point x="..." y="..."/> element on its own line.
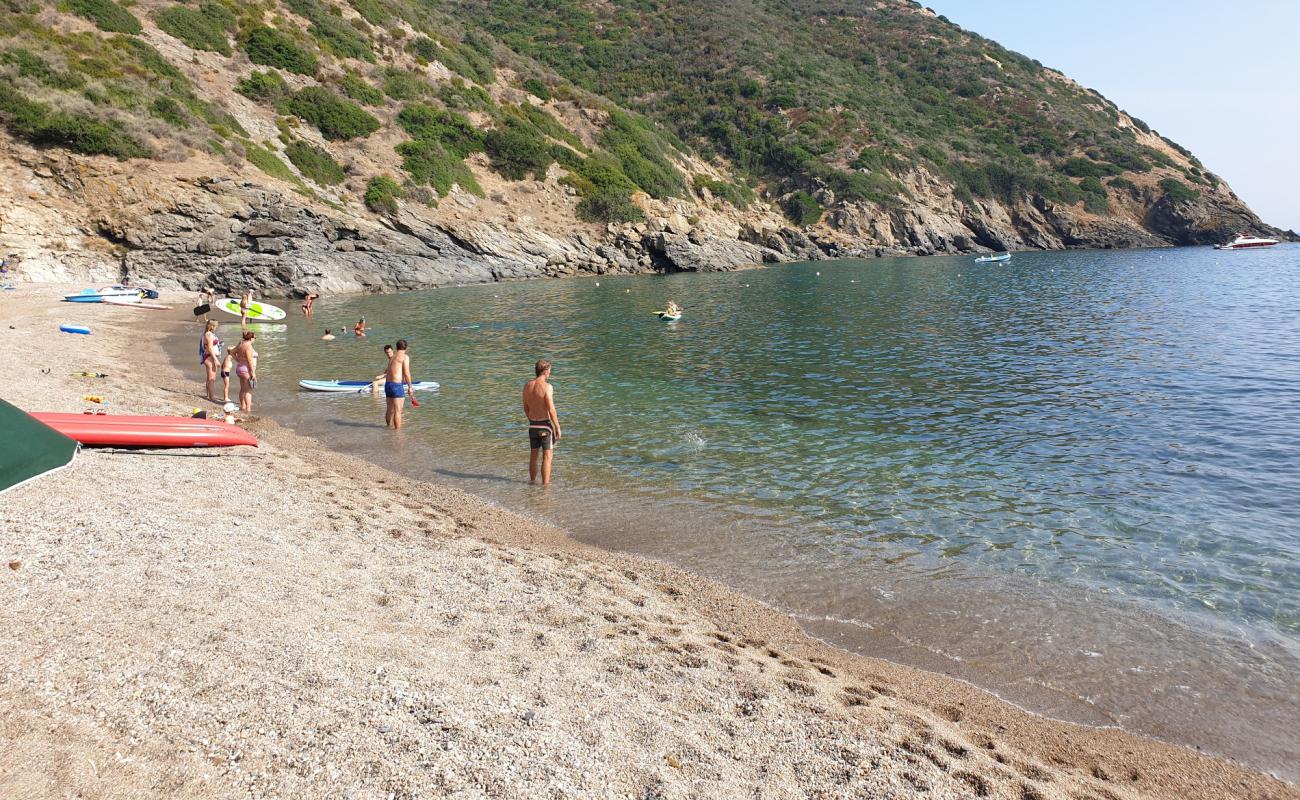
<point x="397" y="379"/>
<point x="360" y="329"/>
<point x="543" y="421"/>
<point x="246" y="370"/>
<point x="378" y="382"/>
<point x="210" y="356"/>
<point x="309" y="304"/>
<point x="245" y="303"/>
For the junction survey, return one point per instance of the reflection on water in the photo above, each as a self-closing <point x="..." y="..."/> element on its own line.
<point x="1072" y="477"/>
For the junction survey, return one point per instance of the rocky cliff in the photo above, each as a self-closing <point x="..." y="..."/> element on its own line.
<point x="378" y="148"/>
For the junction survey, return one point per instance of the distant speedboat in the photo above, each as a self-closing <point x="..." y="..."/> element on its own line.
<point x="1244" y="242"/>
<point x="993" y="258"/>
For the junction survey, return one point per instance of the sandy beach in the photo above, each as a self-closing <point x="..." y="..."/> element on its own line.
<point x="292" y="622"/>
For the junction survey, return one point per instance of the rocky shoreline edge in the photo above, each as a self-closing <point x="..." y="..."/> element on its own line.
<point x="293" y="622"/>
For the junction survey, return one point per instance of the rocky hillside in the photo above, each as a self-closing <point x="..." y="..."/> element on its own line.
<point x="390" y="144"/>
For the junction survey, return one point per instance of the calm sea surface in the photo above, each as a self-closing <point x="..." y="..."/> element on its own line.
<point x="1073" y="478"/>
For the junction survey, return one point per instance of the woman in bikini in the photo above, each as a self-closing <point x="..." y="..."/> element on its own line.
<point x="246" y="370"/>
<point x="210" y="356"/>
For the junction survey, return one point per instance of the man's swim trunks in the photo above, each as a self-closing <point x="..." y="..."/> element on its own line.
<point x="394" y="389"/>
<point x="540" y="434"/>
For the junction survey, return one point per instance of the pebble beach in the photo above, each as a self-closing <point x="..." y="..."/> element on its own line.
<point x="292" y="622"/>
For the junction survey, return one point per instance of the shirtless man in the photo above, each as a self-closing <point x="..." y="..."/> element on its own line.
<point x="397" y="380"/>
<point x="543" y="421"/>
<point x="377" y="384"/>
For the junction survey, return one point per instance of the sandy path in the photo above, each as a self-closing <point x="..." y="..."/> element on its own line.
<point x="259" y="624"/>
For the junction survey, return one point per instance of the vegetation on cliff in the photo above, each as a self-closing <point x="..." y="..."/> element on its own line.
<point x="813" y="105"/>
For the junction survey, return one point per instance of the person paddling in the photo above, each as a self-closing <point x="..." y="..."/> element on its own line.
<point x="543" y="422"/>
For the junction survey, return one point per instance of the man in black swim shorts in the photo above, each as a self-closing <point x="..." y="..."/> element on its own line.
<point x="543" y="422"/>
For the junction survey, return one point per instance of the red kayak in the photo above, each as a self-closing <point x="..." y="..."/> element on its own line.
<point x="108" y="430"/>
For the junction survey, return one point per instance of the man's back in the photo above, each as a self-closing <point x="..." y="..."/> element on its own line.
<point x="537" y="399"/>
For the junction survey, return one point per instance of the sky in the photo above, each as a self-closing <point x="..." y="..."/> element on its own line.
<point x="1221" y="79"/>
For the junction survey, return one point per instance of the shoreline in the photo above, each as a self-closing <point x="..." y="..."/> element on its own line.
<point x="698" y="663"/>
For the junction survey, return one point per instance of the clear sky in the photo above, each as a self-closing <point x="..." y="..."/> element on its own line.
<point x="1220" y="78"/>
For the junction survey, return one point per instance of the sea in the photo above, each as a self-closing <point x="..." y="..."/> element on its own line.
<point x="1072" y="478"/>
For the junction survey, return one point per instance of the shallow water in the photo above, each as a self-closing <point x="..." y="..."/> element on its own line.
<point x="1073" y="478"/>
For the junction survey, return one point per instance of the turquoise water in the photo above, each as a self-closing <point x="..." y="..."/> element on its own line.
<point x="1074" y="478"/>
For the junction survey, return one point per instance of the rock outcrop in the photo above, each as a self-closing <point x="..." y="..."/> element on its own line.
<point x="185" y="226"/>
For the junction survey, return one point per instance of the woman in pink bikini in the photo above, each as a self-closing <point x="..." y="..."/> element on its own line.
<point x="210" y="356"/>
<point x="246" y="369"/>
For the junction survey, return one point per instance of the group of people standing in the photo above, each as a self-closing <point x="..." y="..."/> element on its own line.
<point x="538" y="400"/>
<point x="219" y="360"/>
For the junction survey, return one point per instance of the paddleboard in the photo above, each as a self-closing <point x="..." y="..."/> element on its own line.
<point x="68" y="328"/>
<point x="110" y="430"/>
<point x="135" y="302"/>
<point x="358" y="386"/>
<point x="257" y="310"/>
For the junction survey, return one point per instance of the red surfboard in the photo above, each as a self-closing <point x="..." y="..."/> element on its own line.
<point x="108" y="430"/>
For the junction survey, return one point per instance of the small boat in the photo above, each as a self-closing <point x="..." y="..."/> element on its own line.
<point x="664" y="316"/>
<point x="357" y="387"/>
<point x="993" y="258"/>
<point x="1246" y="242"/>
<point x="98" y="295"/>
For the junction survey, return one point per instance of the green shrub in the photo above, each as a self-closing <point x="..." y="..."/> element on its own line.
<point x="458" y="94"/>
<point x="609" y="206"/>
<point x="1178" y="191"/>
<point x="801" y="209"/>
<point x="537" y="89"/>
<point x="517" y="153"/>
<point x="44" y="126"/>
<point x="737" y="195"/>
<point x="467" y="61"/>
<point x="428" y="163"/>
<point x="356" y="87"/>
<point x="1122" y="183"/>
<point x="270" y="163"/>
<point x="272" y="48"/>
<point x="38" y="69"/>
<point x="606" y="191"/>
<point x="454" y="132"/>
<point x="1091" y="185"/>
<point x="544" y="124"/>
<point x="424" y="48"/>
<point x="641" y="155"/>
<point x="372" y="11"/>
<point x="1096" y="203"/>
<point x="382" y="193"/>
<point x="205" y="28"/>
<point x="169" y="111"/>
<point x="1086" y="168"/>
<point x="315" y="163"/>
<point x="262" y="86"/>
<point x="400" y="84"/>
<point x="106" y="14"/>
<point x="328" y="28"/>
<point x="336" y="118"/>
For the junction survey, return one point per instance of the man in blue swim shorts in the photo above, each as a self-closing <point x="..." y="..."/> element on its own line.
<point x="397" y="380"/>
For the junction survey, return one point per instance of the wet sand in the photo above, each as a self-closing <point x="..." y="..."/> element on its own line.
<point x="291" y="622"/>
